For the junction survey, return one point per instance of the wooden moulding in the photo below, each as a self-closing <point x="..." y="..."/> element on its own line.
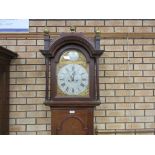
<point x="70" y="103"/>
<point x="7" y="54"/>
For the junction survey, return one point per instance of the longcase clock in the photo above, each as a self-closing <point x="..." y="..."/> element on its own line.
<point x="72" y="88"/>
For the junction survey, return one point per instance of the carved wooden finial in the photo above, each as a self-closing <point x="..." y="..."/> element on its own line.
<point x="72" y="29"/>
<point x="98" y="32"/>
<point x="46" y="31"/>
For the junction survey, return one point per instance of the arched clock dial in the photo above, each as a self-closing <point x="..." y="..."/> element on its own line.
<point x="72" y="79"/>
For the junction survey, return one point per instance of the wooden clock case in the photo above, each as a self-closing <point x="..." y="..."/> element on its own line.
<point x="71" y="115"/>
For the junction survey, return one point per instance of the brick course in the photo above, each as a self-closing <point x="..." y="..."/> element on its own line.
<point x="126" y="87"/>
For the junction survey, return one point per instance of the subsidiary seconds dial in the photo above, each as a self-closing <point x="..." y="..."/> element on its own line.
<point x="72" y="79"/>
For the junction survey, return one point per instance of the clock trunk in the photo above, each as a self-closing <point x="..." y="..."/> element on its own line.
<point x="72" y="121"/>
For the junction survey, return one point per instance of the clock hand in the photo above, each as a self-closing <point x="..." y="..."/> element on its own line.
<point x="73" y="75"/>
<point x="72" y="78"/>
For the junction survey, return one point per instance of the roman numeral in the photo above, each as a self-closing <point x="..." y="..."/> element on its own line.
<point x="67" y="89"/>
<point x="82" y="85"/>
<point x="82" y="73"/>
<point x="83" y="79"/>
<point x="63" y="84"/>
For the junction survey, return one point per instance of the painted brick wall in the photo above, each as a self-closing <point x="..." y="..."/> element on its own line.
<point x="126" y="79"/>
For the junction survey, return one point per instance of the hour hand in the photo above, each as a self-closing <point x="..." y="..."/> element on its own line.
<point x="73" y="76"/>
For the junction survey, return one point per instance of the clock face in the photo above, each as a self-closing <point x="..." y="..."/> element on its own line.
<point x="72" y="79"/>
<point x="72" y="74"/>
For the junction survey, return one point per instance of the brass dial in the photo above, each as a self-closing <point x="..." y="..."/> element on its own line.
<point x="72" y="74"/>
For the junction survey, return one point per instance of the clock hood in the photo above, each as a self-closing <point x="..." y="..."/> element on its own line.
<point x="75" y="39"/>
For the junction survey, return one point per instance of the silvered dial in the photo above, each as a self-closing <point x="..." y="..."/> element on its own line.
<point x="72" y="79"/>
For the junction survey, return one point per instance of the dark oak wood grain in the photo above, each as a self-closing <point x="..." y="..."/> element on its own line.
<point x="72" y="121"/>
<point x="5" y="57"/>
